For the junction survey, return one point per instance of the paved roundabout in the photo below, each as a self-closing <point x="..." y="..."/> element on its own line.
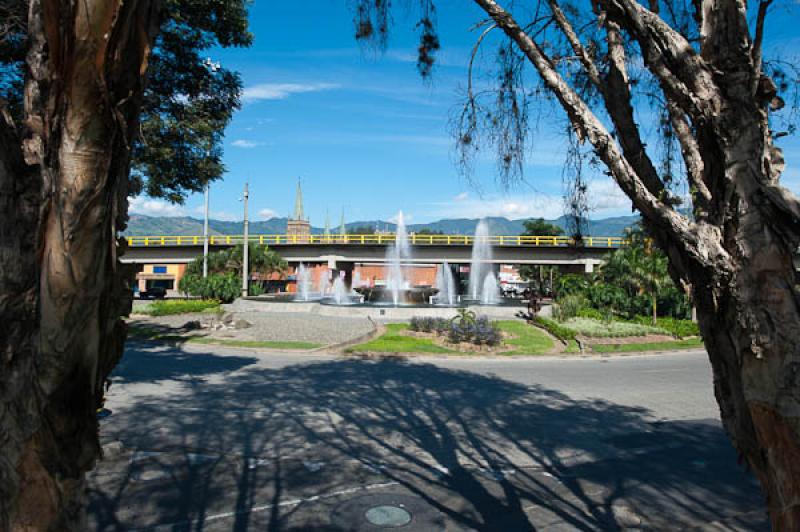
<point x="213" y="438"/>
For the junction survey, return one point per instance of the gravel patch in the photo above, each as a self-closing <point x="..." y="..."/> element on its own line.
<point x="276" y="326"/>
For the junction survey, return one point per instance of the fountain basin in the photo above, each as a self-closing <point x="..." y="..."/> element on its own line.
<point x="418" y="295"/>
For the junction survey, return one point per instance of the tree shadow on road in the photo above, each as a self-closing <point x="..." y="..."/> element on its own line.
<point x="483" y="452"/>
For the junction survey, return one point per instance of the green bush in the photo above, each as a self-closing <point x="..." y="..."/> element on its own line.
<point x="179" y="306"/>
<point x="613" y="329"/>
<point x="676" y="327"/>
<point x="556" y="329"/>
<point x="591" y="313"/>
<point x="224" y="287"/>
<point x="569" y="306"/>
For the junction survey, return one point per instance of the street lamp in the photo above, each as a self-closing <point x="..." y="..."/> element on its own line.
<point x="246" y="250"/>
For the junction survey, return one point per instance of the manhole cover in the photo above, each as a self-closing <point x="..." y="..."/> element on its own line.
<point x="388" y="516"/>
<point x="378" y="512"/>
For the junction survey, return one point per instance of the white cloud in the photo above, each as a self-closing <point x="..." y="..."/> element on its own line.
<point x="266" y="214"/>
<point x="281" y="91"/>
<point x="242" y="143"/>
<point x="605" y="198"/>
<point x="153" y="207"/>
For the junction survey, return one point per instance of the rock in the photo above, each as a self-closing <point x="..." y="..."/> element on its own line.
<point x="242" y="324"/>
<point x="113" y="449"/>
<point x="227" y="318"/>
<point x="192" y="325"/>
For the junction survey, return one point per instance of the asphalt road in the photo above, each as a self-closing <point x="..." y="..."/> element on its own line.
<point x="210" y="438"/>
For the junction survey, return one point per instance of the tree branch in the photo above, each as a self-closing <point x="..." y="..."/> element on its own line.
<point x="588" y="126"/>
<point x="759" y="39"/>
<point x="684" y="75"/>
<point x="691" y="157"/>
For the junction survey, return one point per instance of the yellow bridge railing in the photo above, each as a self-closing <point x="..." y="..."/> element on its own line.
<point x="379" y="239"/>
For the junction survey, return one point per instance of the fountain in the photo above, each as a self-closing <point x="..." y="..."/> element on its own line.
<point x="482" y="282"/>
<point x="490" y="292"/>
<point x="304" y="292"/>
<point x="446" y="286"/>
<point x="323" y="282"/>
<point x="398" y="289"/>
<point x="396" y="253"/>
<point x="339" y="293"/>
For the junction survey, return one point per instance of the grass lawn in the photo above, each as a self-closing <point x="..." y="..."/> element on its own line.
<point x="689" y="343"/>
<point x="528" y="340"/>
<point x="169" y="307"/>
<point x="394" y="342"/>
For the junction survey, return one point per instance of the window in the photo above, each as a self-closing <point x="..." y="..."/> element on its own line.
<point x="159" y="269"/>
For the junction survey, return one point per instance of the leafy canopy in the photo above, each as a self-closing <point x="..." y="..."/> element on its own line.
<point x="188" y="101"/>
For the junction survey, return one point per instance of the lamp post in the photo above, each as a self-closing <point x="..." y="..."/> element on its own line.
<point x="246" y="250"/>
<point x="205" y="235"/>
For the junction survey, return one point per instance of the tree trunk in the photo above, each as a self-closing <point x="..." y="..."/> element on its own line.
<point x="62" y="290"/>
<point x="655" y="309"/>
<point x="737" y="252"/>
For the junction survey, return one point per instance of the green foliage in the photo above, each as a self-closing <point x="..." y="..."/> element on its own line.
<point x="572" y="283"/>
<point x="224" y="287"/>
<point x="464" y="317"/>
<point x="427" y="231"/>
<point x="676" y="327"/>
<point x="261" y="259"/>
<point x="634" y="281"/>
<point x="569" y="306"/>
<point x="188" y="99"/>
<point x="538" y="227"/>
<point x="556" y="329"/>
<point x="179" y="306"/>
<point x="609" y="329"/>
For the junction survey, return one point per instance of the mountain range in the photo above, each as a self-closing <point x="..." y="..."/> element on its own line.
<point x="141" y="225"/>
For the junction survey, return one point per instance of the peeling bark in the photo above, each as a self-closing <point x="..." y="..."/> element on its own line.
<point x="63" y="184"/>
<point x="737" y="253"/>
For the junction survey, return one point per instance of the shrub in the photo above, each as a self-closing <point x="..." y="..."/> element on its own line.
<point x="569" y="306"/>
<point x="571" y="284"/>
<point x="414" y="324"/>
<point x="223" y="287"/>
<point x="591" y="313"/>
<point x="614" y="329"/>
<point x="179" y="306"/>
<point x="676" y="327"/>
<point x="556" y="329"/>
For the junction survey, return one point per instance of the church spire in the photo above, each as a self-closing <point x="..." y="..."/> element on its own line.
<point x="298" y="203"/>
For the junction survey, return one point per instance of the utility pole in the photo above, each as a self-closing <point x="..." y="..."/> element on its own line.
<point x="246" y="250"/>
<point x="205" y="235"/>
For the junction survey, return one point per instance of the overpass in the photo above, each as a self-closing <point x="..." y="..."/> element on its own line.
<point x="333" y="249"/>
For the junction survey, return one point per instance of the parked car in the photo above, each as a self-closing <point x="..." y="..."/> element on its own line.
<point x="154" y="292"/>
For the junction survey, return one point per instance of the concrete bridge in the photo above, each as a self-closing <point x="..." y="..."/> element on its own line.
<point x="335" y="249"/>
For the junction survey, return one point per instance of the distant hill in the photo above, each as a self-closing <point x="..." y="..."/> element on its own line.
<point x="141" y="225"/>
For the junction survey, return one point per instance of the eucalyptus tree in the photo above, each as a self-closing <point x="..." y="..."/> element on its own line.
<point x="715" y="99"/>
<point x="89" y="90"/>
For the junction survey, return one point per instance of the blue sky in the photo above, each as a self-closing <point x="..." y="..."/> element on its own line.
<point x="367" y="135"/>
